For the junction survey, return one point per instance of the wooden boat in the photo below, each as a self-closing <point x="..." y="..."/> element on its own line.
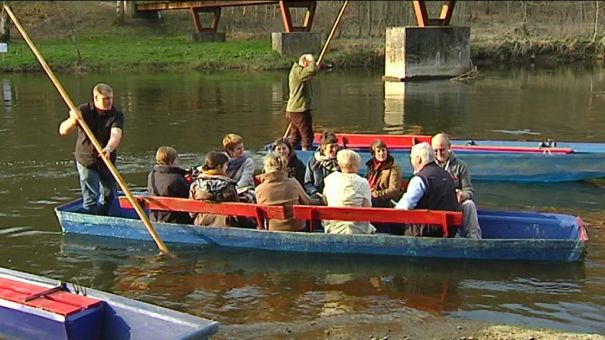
<point x="497" y="160"/>
<point x="507" y="235"/>
<point x="35" y="307"/>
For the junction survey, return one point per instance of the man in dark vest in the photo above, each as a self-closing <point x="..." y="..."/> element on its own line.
<point x="106" y="122"/>
<point x="430" y="188"/>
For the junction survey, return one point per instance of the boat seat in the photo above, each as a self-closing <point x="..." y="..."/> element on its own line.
<point x="257" y="211"/>
<point x="446" y="219"/>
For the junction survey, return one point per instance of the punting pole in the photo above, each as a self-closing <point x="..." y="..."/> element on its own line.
<point x="89" y="133"/>
<point x="325" y="48"/>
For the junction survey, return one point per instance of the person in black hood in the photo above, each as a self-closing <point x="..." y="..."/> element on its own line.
<point x="168" y="180"/>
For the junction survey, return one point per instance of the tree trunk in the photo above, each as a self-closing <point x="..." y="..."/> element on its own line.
<point x="596" y="21"/>
<point x="5" y="31"/>
<point x="119" y="12"/>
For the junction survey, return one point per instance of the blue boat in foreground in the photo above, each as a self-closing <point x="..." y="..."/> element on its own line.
<point x="527" y="236"/>
<point x="36" y="307"/>
<point x="515" y="161"/>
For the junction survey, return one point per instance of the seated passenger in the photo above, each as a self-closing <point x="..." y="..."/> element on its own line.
<point x="168" y="180"/>
<point x="295" y="168"/>
<point x="384" y="176"/>
<point x="213" y="185"/>
<point x="448" y="161"/>
<point x="430" y="188"/>
<point x="240" y="167"/>
<point x="278" y="189"/>
<point x="321" y="164"/>
<point x="347" y="189"/>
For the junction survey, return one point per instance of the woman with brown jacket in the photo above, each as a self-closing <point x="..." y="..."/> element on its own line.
<point x="384" y="176"/>
<point x="279" y="189"/>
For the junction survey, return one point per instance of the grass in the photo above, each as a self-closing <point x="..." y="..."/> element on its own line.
<point x="158" y="53"/>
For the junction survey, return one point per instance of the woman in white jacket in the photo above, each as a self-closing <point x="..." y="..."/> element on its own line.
<point x="347" y="189"/>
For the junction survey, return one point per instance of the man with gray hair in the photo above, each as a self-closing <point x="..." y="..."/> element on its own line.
<point x="430" y="188"/>
<point x="448" y="161"/>
<point x="300" y="100"/>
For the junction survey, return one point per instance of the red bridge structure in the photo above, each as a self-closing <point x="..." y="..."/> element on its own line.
<point x="432" y="49"/>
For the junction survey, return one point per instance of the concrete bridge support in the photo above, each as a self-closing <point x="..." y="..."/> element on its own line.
<point x="292" y="44"/>
<point x="426" y="52"/>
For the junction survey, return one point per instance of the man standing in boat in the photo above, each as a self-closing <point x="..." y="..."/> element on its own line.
<point x="430" y="188"/>
<point x="446" y="159"/>
<point x="298" y="109"/>
<point x="106" y="122"/>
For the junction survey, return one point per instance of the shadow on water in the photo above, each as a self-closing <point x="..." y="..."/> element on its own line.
<point x="237" y="286"/>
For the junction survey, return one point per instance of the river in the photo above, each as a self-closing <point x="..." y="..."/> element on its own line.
<point x="193" y="111"/>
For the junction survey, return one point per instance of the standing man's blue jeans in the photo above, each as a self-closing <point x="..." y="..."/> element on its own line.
<point x="98" y="188"/>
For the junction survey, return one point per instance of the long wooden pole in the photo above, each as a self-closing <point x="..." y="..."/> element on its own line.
<point x="325" y="48"/>
<point x="89" y="133"/>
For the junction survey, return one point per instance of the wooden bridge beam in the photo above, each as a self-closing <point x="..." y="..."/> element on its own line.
<point x="216" y="16"/>
<point x="285" y="7"/>
<point x="423" y="19"/>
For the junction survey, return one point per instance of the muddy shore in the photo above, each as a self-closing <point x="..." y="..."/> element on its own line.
<point x="399" y="325"/>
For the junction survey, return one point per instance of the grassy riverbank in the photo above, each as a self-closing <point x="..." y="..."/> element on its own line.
<point x="142" y="45"/>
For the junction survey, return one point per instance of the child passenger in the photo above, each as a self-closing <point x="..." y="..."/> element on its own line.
<point x="240" y="167"/>
<point x="167" y="179"/>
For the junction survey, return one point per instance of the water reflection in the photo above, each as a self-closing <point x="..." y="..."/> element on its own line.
<point x="242" y="286"/>
<point x="7" y="94"/>
<point x="408" y="105"/>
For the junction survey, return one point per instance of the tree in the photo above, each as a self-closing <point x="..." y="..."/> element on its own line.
<point x="5" y="32"/>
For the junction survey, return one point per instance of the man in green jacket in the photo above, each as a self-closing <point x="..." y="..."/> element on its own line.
<point x="300" y="101"/>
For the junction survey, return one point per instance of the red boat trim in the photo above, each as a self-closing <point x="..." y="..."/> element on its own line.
<point x="54" y="300"/>
<point x="381" y="215"/>
<point x="302" y="212"/>
<point x="361" y="141"/>
<point x="260" y="212"/>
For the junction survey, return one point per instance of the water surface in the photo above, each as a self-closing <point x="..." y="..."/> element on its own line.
<point x="193" y="111"/>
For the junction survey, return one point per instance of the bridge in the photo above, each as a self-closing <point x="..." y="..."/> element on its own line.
<point x="431" y="49"/>
<point x="285" y="7"/>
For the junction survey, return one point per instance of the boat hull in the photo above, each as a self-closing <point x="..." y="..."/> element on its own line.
<point x="511" y="167"/>
<point x="121" y="318"/>
<point x="494" y="160"/>
<point x="508" y="236"/>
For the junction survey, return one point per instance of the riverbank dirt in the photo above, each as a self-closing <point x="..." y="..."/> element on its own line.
<point x="394" y="326"/>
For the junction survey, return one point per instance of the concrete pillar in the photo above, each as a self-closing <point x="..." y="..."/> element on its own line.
<point x="206" y="37"/>
<point x="294" y="44"/>
<point x="129" y="8"/>
<point x="426" y="52"/>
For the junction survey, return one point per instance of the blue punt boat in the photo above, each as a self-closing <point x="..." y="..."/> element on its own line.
<point x="36" y="307"/>
<point x="515" y="161"/>
<point x="507" y="235"/>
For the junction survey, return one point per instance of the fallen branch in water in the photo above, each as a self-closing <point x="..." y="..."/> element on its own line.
<point x="472" y="74"/>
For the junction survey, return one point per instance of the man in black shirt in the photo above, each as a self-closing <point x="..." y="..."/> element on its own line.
<point x="106" y="123"/>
